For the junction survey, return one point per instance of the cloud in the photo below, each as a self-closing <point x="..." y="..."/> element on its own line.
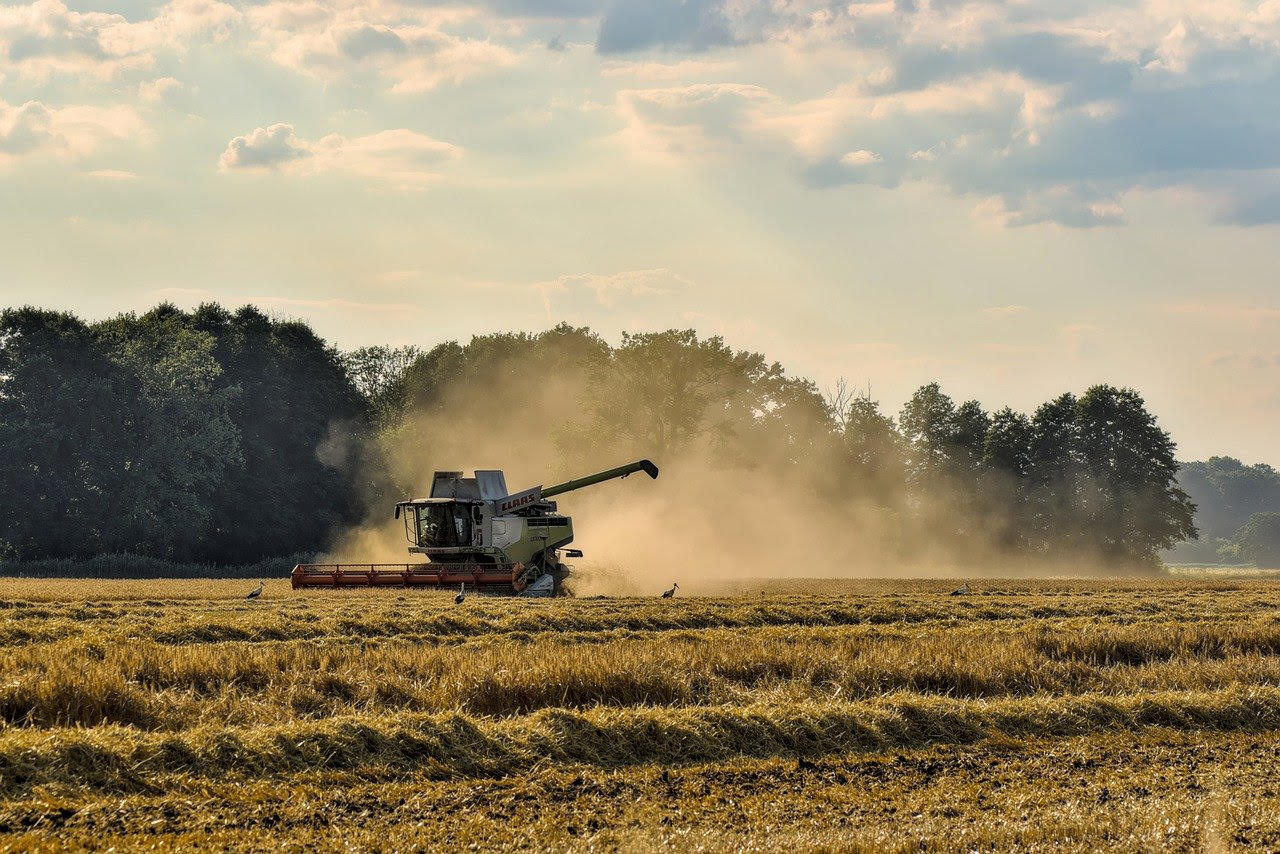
<point x="632" y="25"/>
<point x="46" y="38"/>
<point x="264" y="148"/>
<point x="861" y="157"/>
<point x="401" y="156"/>
<point x="689" y="120"/>
<point x="1235" y="314"/>
<point x="1073" y="207"/>
<point x="155" y="91"/>
<point x="35" y="129"/>
<point x="1005" y="310"/>
<point x="1246" y="205"/>
<point x="406" y="47"/>
<point x="609" y="289"/>
<point x="112" y="174"/>
<point x="1042" y="113"/>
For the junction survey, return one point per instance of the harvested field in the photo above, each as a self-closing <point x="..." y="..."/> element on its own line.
<point x="825" y="715"/>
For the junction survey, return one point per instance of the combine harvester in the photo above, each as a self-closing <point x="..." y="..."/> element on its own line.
<point x="475" y="533"/>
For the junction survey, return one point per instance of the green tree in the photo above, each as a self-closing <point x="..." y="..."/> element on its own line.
<point x="663" y="391"/>
<point x="376" y="373"/>
<point x="1004" y="482"/>
<point x="1226" y="493"/>
<point x="307" y="470"/>
<point x="61" y="429"/>
<point x="112" y="436"/>
<point x="874" y="453"/>
<point x="1258" y="539"/>
<point x="179" y="440"/>
<point x="1056" y="479"/>
<point x="1135" y="507"/>
<point x="928" y="424"/>
<point x="1006" y="447"/>
<point x="970" y="425"/>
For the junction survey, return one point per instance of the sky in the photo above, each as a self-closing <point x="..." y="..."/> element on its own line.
<point x="1014" y="199"/>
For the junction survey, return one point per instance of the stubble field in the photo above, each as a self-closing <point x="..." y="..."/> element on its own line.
<point x="824" y="715"/>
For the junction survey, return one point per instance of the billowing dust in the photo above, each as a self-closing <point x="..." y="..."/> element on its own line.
<point x="704" y="523"/>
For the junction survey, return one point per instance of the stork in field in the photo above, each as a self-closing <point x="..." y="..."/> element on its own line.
<point x="257" y="591"/>
<point x="667" y="594"/>
<point x="462" y="594"/>
<point x="962" y="590"/>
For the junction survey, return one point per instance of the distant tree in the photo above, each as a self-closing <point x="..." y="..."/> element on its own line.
<point x="874" y="452"/>
<point x="376" y="373"/>
<point x="112" y="436"/>
<point x="1227" y="492"/>
<point x="970" y="426"/>
<point x="792" y="432"/>
<point x="1006" y="447"/>
<point x="662" y="391"/>
<point x="928" y="424"/>
<point x="965" y="468"/>
<point x="1055" y="472"/>
<point x="1258" y="540"/>
<point x="1134" y="507"/>
<point x="1004" y="483"/>
<point x="179" y="440"/>
<point x="513" y="362"/>
<point x="304" y="430"/>
<point x="61" y="435"/>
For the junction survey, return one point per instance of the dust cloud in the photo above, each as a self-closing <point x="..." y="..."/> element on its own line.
<point x="706" y="522"/>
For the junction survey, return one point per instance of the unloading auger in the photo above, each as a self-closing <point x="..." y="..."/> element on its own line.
<point x="474" y="532"/>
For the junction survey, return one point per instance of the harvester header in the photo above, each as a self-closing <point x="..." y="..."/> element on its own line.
<point x="473" y="531"/>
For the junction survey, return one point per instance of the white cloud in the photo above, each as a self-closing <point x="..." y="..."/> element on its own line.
<point x="612" y="287"/>
<point x="400" y="156"/>
<point x="409" y="48"/>
<point x="1043" y="113"/>
<point x="154" y="91"/>
<point x="861" y="157"/>
<point x="35" y="129"/>
<point x="264" y="148"/>
<point x="690" y="120"/>
<point x="45" y="37"/>
<point x="112" y="174"/>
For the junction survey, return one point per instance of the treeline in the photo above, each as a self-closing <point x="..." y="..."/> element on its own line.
<point x="230" y="437"/>
<point x="208" y="436"/>
<point x="1088" y="478"/>
<point x="1238" y="512"/>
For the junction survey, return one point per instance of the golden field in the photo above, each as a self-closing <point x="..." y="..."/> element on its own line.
<point x="823" y="715"/>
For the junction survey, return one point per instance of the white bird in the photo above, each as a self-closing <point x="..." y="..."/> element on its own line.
<point x="962" y="590"/>
<point x="256" y="592"/>
<point x="667" y="594"/>
<point x="462" y="594"/>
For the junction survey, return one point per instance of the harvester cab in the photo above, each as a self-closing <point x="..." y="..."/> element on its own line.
<point x="473" y="531"/>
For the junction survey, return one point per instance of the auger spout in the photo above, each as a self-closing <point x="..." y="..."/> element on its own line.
<point x="621" y="471"/>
